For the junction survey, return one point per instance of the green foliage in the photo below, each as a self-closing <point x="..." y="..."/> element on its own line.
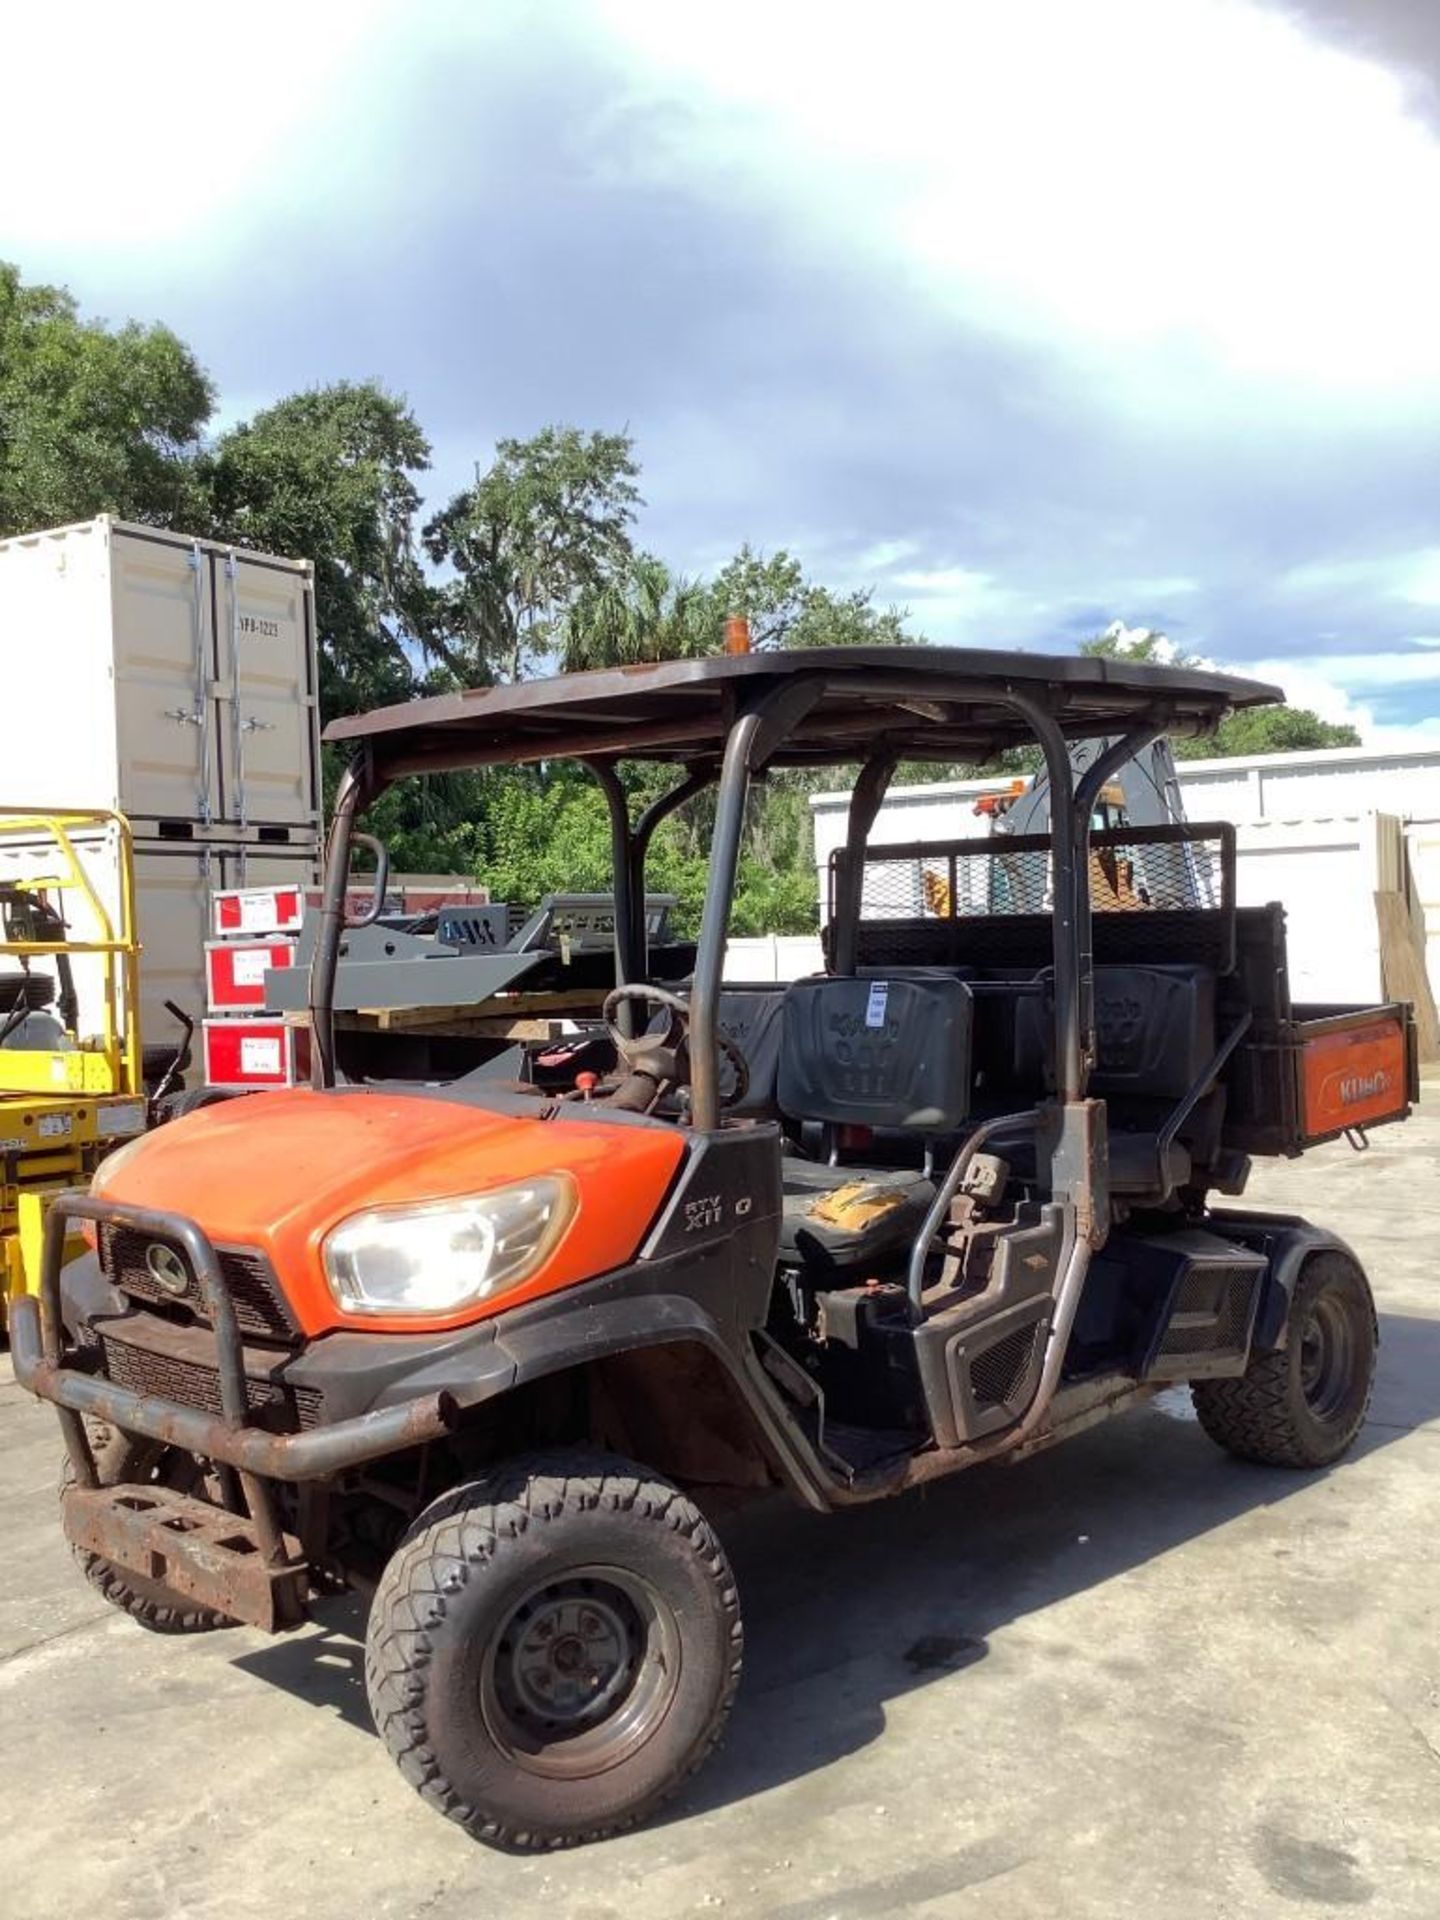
<point x="1268" y="730"/>
<point x="547" y="521"/>
<point x="528" y="831"/>
<point x="1255" y="730"/>
<point x="787" y="610"/>
<point x="330" y="474"/>
<point x="644" y="612"/>
<point x="93" y="420"/>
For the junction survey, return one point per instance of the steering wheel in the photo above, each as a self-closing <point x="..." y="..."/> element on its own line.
<point x="664" y="1058"/>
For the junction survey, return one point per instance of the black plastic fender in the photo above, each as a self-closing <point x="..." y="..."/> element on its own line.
<point x="1287" y="1242"/>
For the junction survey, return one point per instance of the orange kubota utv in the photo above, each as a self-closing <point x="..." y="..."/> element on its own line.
<point x="488" y="1349"/>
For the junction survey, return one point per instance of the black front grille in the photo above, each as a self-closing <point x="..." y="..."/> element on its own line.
<point x="997" y="1373"/>
<point x="260" y="1306"/>
<point x="191" y="1384"/>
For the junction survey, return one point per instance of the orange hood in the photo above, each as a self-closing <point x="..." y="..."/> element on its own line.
<point x="278" y="1170"/>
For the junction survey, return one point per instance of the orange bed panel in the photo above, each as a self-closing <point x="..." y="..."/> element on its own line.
<point x="1353" y="1078"/>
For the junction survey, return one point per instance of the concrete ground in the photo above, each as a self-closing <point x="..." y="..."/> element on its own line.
<point x="1131" y="1677"/>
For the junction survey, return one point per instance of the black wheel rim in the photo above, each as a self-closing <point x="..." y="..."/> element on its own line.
<point x="581" y="1673"/>
<point x="1327" y="1358"/>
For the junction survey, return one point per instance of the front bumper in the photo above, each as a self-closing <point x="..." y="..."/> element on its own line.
<point x="231" y="1439"/>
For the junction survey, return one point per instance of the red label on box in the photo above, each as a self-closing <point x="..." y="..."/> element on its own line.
<point x="260" y="910"/>
<point x="255" y="1053"/>
<point x="235" y="970"/>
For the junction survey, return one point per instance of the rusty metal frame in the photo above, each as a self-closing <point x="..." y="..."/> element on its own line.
<point x="197" y="1551"/>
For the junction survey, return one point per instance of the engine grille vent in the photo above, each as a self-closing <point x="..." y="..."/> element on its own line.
<point x="996" y="1374"/>
<point x="260" y="1307"/>
<point x="144" y="1370"/>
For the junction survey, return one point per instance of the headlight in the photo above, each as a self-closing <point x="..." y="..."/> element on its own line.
<point x="449" y="1254"/>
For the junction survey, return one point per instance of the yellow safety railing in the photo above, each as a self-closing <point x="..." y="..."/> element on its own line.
<point x="115" y="1065"/>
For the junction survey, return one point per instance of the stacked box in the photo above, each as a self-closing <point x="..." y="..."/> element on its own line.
<point x="255" y="929"/>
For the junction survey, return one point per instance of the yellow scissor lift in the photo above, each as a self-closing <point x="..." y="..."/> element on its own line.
<point x="71" y="1079"/>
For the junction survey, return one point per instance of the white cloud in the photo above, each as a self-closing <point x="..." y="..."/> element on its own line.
<point x="157" y="126"/>
<point x="1335" y="687"/>
<point x="1412" y="575"/>
<point x="955" y="583"/>
<point x="1201" y="176"/>
<point x="1421" y="582"/>
<point x="958" y="606"/>
<point x="1168" y="588"/>
<point x="1159" y="648"/>
<point x="1380" y="668"/>
<point x="886" y="554"/>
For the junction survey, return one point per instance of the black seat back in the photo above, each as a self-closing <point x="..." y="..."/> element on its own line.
<point x="1154" y="1033"/>
<point x="877" y="1052"/>
<point x="751" y="1017"/>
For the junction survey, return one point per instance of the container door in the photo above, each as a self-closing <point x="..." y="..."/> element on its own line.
<point x="172" y="912"/>
<point x="254" y="867"/>
<point x="164" y="664"/>
<point x="173" y="885"/>
<point x="57" y="711"/>
<point x="269" y="744"/>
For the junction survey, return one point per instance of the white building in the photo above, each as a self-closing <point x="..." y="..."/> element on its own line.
<point x="1310" y="829"/>
<point x="1307" y="836"/>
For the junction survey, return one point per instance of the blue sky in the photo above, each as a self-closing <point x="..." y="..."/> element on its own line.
<point x="1031" y="317"/>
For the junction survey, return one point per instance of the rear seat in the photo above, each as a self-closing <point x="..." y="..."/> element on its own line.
<point x="1155" y="1035"/>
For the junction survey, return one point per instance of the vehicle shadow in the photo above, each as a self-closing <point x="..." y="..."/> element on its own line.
<point x="846" y="1612"/>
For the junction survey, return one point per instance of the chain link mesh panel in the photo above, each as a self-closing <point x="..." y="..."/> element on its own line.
<point x="1165" y="892"/>
<point x="1132" y="870"/>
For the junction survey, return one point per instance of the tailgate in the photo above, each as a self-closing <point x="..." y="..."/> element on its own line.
<point x="1355" y="1066"/>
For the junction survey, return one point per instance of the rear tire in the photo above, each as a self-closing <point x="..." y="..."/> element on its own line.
<point x="1303" y="1405"/>
<point x="554" y="1649"/>
<point x="119" y="1459"/>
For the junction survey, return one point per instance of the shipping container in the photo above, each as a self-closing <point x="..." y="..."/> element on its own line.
<point x="170" y="679"/>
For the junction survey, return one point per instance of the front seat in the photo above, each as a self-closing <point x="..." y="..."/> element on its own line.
<point x="751" y="1016"/>
<point x="890" y="1053"/>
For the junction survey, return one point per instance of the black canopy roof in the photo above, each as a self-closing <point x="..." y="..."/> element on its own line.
<point x="928" y="703"/>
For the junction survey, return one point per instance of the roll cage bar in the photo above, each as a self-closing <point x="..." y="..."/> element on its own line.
<point x="783" y="709"/>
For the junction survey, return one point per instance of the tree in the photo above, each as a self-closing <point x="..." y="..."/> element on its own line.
<point x="644" y="613"/>
<point x="331" y="474"/>
<point x="1254" y="730"/>
<point x="93" y="420"/>
<point x="787" y="610"/>
<point x="548" y="521"/>
<point x="1268" y="730"/>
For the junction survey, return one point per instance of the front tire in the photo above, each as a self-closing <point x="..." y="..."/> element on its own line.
<point x="1303" y="1405"/>
<point x="554" y="1649"/>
